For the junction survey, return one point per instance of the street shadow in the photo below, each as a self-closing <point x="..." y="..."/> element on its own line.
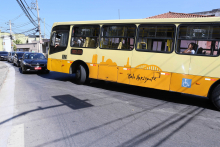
<point x="163" y="95"/>
<point x="173" y="97"/>
<point x="176" y="119"/>
<point x="58" y="76"/>
<point x="66" y="100"/>
<point x="180" y="118"/>
<point x="30" y="111"/>
<point x="72" y="102"/>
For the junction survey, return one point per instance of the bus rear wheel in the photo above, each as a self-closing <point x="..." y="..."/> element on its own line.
<point x="80" y="75"/>
<point x="215" y="98"/>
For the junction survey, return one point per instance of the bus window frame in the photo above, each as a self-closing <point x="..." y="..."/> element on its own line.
<point x="122" y="24"/>
<point x="195" y="24"/>
<point x="98" y="37"/>
<point x="174" y="39"/>
<point x="58" y="48"/>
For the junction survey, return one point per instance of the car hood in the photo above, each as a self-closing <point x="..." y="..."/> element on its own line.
<point x="3" y="55"/>
<point x="35" y="61"/>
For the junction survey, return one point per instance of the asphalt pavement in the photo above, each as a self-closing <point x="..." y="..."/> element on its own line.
<point x="47" y="110"/>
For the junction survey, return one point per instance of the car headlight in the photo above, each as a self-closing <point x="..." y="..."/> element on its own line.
<point x="25" y="63"/>
<point x="2" y="56"/>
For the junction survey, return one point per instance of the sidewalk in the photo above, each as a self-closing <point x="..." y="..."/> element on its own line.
<point x="3" y="72"/>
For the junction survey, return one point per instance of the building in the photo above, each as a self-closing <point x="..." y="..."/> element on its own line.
<point x="28" y="47"/>
<point x="28" y="43"/>
<point x="5" y="40"/>
<point x="178" y="15"/>
<point x="213" y="12"/>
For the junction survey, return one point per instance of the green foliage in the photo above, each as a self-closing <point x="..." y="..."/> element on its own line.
<point x="17" y="41"/>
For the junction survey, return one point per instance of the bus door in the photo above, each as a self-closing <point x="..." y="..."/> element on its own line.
<point x="116" y="45"/>
<point x="58" y="47"/>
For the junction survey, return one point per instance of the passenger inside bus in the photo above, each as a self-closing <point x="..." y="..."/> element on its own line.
<point x="191" y="48"/>
<point x="78" y="42"/>
<point x="200" y="51"/>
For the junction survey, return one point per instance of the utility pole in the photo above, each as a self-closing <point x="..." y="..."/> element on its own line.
<point x="119" y="13"/>
<point x="44" y="28"/>
<point x="38" y="18"/>
<point x="10" y="35"/>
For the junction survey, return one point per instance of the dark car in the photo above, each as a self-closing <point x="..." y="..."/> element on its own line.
<point x="3" y="55"/>
<point x="11" y="56"/>
<point x="17" y="58"/>
<point x="34" y="62"/>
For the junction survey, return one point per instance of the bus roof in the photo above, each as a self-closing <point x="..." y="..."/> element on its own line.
<point x="139" y="21"/>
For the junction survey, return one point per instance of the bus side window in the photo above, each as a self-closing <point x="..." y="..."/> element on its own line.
<point x="85" y="36"/>
<point x="199" y="39"/>
<point x="118" y="37"/>
<point x="157" y="38"/>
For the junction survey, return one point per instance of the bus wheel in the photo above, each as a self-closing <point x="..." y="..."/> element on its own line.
<point x="215" y="98"/>
<point x="80" y="75"/>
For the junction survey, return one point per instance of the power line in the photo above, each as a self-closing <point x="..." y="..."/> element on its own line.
<point x="17" y="17"/>
<point x="30" y="8"/>
<point x="46" y="23"/>
<point x="22" y="25"/>
<point x="27" y="13"/>
<point x="27" y="31"/>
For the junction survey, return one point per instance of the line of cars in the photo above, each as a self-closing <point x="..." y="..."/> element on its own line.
<point x="27" y="61"/>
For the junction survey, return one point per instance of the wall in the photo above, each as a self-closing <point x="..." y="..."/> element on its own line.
<point x="6" y="43"/>
<point x="30" y="47"/>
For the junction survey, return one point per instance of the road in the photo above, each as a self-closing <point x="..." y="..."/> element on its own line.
<point x="47" y="110"/>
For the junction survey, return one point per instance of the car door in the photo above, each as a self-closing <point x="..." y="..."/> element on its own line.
<point x="15" y="58"/>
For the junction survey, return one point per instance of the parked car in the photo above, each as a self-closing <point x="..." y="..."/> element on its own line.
<point x="17" y="58"/>
<point x="11" y="56"/>
<point x="34" y="62"/>
<point x="9" y="53"/>
<point x="3" y="55"/>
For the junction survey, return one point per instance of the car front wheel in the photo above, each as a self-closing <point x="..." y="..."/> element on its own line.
<point x="23" y="71"/>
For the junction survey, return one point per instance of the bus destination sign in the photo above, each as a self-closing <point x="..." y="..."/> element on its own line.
<point x="77" y="51"/>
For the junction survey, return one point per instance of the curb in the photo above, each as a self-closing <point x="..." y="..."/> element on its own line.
<point x="4" y="75"/>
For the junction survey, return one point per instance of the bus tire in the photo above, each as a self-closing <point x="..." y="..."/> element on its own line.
<point x="80" y="75"/>
<point x="215" y="97"/>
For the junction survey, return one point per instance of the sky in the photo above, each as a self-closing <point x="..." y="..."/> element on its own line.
<point x="83" y="10"/>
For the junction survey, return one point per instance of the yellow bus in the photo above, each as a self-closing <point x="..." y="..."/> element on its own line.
<point x="177" y="54"/>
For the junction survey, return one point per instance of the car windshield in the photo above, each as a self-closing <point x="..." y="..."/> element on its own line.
<point x="34" y="56"/>
<point x="20" y="54"/>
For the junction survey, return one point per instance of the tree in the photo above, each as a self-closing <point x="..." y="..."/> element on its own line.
<point x="17" y="41"/>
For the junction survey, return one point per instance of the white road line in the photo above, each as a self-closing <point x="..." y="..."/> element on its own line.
<point x="16" y="139"/>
